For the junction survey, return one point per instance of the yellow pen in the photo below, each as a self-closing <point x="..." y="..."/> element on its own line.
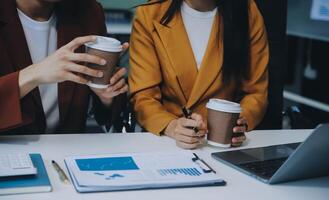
<point x="60" y="172"/>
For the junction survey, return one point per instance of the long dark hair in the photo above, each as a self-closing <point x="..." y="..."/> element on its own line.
<point x="236" y="36"/>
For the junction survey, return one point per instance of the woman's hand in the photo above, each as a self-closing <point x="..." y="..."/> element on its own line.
<point x="117" y="86"/>
<point x="62" y="65"/>
<point x="182" y="131"/>
<point x="239" y="130"/>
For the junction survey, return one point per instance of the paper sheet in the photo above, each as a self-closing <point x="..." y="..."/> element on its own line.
<point x="320" y="10"/>
<point x="138" y="170"/>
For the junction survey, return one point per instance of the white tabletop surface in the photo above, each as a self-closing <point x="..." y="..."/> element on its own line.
<point x="239" y="186"/>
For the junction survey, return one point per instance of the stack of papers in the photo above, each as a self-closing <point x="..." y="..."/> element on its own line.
<point x="113" y="172"/>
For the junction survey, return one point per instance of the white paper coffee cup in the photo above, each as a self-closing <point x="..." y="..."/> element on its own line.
<point x="224" y="106"/>
<point x="222" y="117"/>
<point x="105" y="44"/>
<point x="108" y="49"/>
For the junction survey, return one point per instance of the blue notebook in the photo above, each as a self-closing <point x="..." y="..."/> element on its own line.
<point x="29" y="183"/>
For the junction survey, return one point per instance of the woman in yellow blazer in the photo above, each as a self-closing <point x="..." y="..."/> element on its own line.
<point x="165" y="75"/>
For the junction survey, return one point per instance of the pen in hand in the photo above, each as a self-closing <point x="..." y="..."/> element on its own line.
<point x="60" y="172"/>
<point x="187" y="114"/>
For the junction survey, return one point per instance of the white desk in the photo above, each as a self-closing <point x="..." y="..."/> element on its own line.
<point x="239" y="186"/>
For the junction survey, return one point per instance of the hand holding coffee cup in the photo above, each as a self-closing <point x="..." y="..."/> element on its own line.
<point x="113" y="82"/>
<point x="238" y="132"/>
<point x="62" y="65"/>
<point x="117" y="86"/>
<point x="223" y="116"/>
<point x="182" y="131"/>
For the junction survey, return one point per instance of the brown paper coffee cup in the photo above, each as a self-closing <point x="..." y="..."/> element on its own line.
<point x="108" y="49"/>
<point x="222" y="117"/>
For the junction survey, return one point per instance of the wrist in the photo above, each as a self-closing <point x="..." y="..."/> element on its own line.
<point x="27" y="81"/>
<point x="28" y="77"/>
<point x="170" y="128"/>
<point x="32" y="75"/>
<point x="35" y="75"/>
<point x="106" y="102"/>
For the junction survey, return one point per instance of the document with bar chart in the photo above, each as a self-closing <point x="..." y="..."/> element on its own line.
<point x="320" y="10"/>
<point x="113" y="172"/>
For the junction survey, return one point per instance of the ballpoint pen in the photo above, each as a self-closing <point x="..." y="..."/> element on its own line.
<point x="187" y="114"/>
<point x="60" y="172"/>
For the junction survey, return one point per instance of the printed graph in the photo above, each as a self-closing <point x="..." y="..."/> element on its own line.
<point x="181" y="171"/>
<point x="107" y="164"/>
<point x="324" y="10"/>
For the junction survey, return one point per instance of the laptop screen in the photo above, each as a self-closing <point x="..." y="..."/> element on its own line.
<point x="258" y="154"/>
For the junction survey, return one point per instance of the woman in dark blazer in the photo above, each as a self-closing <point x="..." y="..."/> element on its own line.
<point x="21" y="109"/>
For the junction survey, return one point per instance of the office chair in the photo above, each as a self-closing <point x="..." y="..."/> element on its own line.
<point x="275" y="17"/>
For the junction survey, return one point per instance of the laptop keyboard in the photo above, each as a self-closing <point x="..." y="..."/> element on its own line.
<point x="264" y="169"/>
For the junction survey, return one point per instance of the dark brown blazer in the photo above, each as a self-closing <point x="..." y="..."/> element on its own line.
<point x="24" y="116"/>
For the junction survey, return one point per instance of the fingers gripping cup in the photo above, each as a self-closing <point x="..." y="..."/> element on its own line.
<point x="108" y="49"/>
<point x="222" y="118"/>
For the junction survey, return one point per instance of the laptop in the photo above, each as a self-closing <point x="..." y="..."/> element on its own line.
<point x="283" y="163"/>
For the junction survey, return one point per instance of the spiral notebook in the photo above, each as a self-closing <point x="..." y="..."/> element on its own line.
<point x="114" y="172"/>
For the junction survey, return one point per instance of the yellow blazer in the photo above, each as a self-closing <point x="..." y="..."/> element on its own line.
<point x="164" y="77"/>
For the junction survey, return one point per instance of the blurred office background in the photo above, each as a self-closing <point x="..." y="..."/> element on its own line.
<point x="299" y="41"/>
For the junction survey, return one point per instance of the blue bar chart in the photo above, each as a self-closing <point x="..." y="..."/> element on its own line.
<point x="181" y="171"/>
<point x="323" y="10"/>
